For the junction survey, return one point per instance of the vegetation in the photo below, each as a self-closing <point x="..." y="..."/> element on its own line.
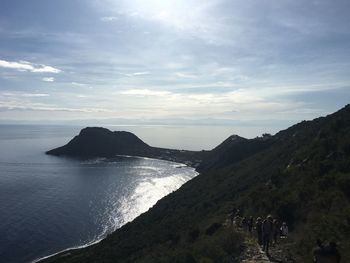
<point x="300" y="175"/>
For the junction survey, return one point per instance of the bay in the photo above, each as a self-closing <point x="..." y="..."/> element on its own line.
<point x="49" y="204"/>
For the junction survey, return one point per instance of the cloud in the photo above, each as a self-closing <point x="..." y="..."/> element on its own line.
<point x="35" y="95"/>
<point x="204" y="101"/>
<point x="48" y="79"/>
<point x="27" y="66"/>
<point x="185" y="75"/>
<point x="247" y="104"/>
<point x="140" y="73"/>
<point x="145" y="92"/>
<point x="41" y="108"/>
<point x="25" y="106"/>
<point x="109" y="18"/>
<point x="19" y="94"/>
<point x="78" y="84"/>
<point x="136" y="74"/>
<point x="271" y="56"/>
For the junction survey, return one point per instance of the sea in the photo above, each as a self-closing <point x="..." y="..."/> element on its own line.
<point x="49" y="204"/>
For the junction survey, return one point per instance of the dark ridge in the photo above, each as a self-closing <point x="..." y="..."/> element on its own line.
<point x="233" y="150"/>
<point x="301" y="176"/>
<point x="101" y="142"/>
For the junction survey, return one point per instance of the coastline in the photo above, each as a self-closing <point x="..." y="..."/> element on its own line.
<point x="67" y="251"/>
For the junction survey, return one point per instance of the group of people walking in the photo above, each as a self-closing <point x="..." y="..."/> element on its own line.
<point x="268" y="230"/>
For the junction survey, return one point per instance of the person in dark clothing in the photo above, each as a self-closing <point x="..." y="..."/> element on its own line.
<point x="238" y="212"/>
<point x="334" y="252"/>
<point x="237" y="221"/>
<point x="258" y="226"/>
<point x="284" y="230"/>
<point x="267" y="228"/>
<point x="245" y="223"/>
<point x="275" y="231"/>
<point x="250" y="224"/>
<point x="232" y="216"/>
<point x="326" y="254"/>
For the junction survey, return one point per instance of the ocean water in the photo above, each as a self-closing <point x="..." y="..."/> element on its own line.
<point x="49" y="204"/>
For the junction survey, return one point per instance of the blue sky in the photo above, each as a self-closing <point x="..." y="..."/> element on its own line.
<point x="224" y="61"/>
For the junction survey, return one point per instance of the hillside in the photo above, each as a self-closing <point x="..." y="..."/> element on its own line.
<point x="300" y="175"/>
<point x="232" y="150"/>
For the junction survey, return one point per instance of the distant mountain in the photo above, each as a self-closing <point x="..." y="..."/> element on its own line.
<point x="232" y="150"/>
<point x="101" y="142"/>
<point x="300" y="175"/>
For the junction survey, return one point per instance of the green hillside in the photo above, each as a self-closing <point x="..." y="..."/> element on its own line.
<point x="300" y="175"/>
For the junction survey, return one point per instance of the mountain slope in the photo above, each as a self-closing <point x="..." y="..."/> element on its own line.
<point x="302" y="177"/>
<point x="232" y="150"/>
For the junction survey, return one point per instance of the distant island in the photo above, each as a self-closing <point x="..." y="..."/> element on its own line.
<point x="98" y="142"/>
<point x="300" y="175"/>
<point x="101" y="142"/>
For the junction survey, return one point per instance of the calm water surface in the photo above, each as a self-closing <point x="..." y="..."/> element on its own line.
<point x="49" y="204"/>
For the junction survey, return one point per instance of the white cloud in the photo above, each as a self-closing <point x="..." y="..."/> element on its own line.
<point x="188" y="18"/>
<point x="20" y="94"/>
<point x="246" y="103"/>
<point x="140" y="73"/>
<point x="109" y="18"/>
<point x="24" y="106"/>
<point x="145" y="92"/>
<point x="48" y="79"/>
<point x="78" y="84"/>
<point x="35" y="95"/>
<point x="27" y="66"/>
<point x="135" y="74"/>
<point x="185" y="75"/>
<point x="263" y="67"/>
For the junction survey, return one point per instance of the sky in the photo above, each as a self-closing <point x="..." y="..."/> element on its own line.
<point x="222" y="62"/>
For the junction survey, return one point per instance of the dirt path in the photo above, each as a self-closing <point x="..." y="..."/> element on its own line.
<point x="254" y="254"/>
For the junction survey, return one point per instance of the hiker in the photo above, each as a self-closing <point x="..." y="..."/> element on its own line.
<point x="237" y="221"/>
<point x="238" y="212"/>
<point x="275" y="231"/>
<point x="250" y="224"/>
<point x="232" y="216"/>
<point x="258" y="226"/>
<point x="326" y="254"/>
<point x="267" y="232"/>
<point x="245" y="223"/>
<point x="333" y="252"/>
<point x="284" y="230"/>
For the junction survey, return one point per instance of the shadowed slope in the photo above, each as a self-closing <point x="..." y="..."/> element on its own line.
<point x="303" y="178"/>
